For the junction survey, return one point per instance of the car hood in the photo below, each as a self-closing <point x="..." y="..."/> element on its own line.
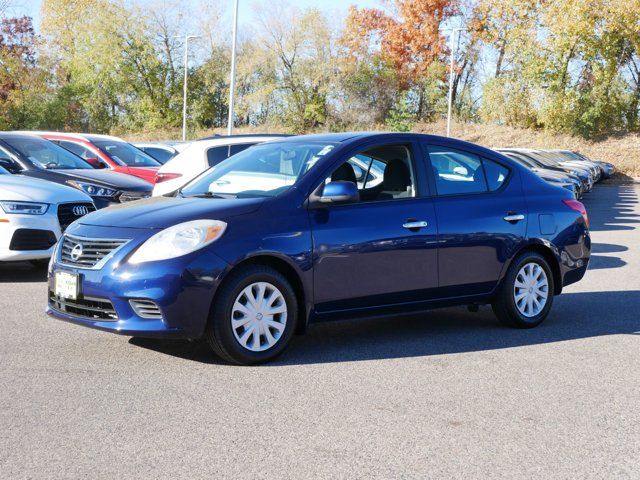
<point x="26" y="189"/>
<point x="106" y="178"/>
<point x="163" y="212"/>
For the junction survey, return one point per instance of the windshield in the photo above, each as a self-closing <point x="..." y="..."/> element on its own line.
<point x="124" y="153"/>
<point x="542" y="159"/>
<point x="264" y="170"/>
<point x="46" y="154"/>
<point x="571" y="156"/>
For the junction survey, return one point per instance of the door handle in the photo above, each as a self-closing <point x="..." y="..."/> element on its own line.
<point x="514" y="217"/>
<point x="415" y="225"/>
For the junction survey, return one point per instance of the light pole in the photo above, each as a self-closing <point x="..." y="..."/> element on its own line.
<point x="452" y="48"/>
<point x="232" y="84"/>
<point x="186" y="71"/>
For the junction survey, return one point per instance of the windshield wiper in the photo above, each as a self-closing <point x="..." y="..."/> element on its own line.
<point x="207" y="195"/>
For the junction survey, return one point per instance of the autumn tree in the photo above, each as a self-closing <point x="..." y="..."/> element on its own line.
<point x="407" y="39"/>
<point x="23" y="84"/>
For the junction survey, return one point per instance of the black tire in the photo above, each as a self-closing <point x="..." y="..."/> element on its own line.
<point x="504" y="304"/>
<point x="219" y="332"/>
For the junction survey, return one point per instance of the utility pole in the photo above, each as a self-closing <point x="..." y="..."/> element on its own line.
<point x="232" y="84"/>
<point x="452" y="48"/>
<point x="186" y="73"/>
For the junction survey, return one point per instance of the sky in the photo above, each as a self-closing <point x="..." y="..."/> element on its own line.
<point x="246" y="9"/>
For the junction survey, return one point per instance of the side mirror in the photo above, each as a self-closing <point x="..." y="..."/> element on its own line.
<point x="339" y="192"/>
<point x="9" y="165"/>
<point x="95" y="163"/>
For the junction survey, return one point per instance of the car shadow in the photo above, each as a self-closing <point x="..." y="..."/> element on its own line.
<point x="601" y="261"/>
<point x="22" y="272"/>
<point x="439" y="332"/>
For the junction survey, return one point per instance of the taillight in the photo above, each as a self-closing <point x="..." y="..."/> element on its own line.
<point x="578" y="207"/>
<point x="163" y="177"/>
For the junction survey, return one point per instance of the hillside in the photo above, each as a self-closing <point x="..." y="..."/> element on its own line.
<point x="623" y="151"/>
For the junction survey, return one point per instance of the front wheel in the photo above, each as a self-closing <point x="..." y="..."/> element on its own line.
<point x="526" y="294"/>
<point x="254" y="316"/>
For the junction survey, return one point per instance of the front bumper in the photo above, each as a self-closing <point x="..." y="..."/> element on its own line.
<point x="182" y="288"/>
<point x="11" y="223"/>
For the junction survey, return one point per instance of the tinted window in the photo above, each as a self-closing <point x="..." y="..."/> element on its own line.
<point x="160" y="154"/>
<point x="496" y="174"/>
<point x="456" y="172"/>
<point x="233" y="149"/>
<point x="217" y="154"/>
<point x="124" y="153"/>
<point x="46" y="154"/>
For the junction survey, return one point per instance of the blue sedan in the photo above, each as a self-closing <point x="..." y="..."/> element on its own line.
<point x="303" y="229"/>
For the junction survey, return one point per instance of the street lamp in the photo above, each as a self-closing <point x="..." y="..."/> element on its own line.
<point x="186" y="70"/>
<point x="232" y="84"/>
<point x="452" y="48"/>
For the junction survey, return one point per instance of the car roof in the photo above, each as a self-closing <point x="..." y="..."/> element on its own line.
<point x="245" y="135"/>
<point x="87" y="137"/>
<point x="18" y="135"/>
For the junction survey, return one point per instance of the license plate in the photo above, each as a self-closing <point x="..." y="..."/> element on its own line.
<point x="66" y="285"/>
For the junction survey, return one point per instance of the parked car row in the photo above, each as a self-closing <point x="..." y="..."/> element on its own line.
<point x="250" y="238"/>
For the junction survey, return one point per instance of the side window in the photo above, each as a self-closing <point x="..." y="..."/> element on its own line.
<point x="496" y="174"/>
<point x="233" y="149"/>
<point x="381" y="173"/>
<point x="215" y="155"/>
<point x="456" y="172"/>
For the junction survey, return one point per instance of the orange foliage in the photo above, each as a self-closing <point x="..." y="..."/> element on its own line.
<point x="408" y="38"/>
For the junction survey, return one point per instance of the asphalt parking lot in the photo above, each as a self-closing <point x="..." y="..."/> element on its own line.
<point x="449" y="394"/>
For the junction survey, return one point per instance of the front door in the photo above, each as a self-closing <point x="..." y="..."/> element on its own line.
<point x="380" y="250"/>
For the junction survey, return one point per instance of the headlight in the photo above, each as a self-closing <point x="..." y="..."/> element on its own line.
<point x="25" y="208"/>
<point x="91" y="189"/>
<point x="179" y="240"/>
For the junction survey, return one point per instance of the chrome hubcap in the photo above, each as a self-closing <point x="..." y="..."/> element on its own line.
<point x="531" y="290"/>
<point x="259" y="316"/>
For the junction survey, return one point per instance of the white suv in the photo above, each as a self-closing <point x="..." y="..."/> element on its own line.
<point x="200" y="156"/>
<point x="33" y="215"/>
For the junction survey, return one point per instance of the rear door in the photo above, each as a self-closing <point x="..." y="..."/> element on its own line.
<point x="482" y="218"/>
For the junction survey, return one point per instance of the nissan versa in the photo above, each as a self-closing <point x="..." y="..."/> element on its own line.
<point x="286" y="233"/>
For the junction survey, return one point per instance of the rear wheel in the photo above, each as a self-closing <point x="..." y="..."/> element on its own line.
<point x="526" y="295"/>
<point x="254" y="316"/>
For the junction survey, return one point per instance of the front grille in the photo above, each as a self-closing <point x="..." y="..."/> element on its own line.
<point x="145" y="308"/>
<point x="131" y="196"/>
<point x="70" y="212"/>
<point x="87" y="252"/>
<point x="86" y="307"/>
<point x="28" y="239"/>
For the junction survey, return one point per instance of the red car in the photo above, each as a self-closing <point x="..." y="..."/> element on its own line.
<point x="104" y="151"/>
